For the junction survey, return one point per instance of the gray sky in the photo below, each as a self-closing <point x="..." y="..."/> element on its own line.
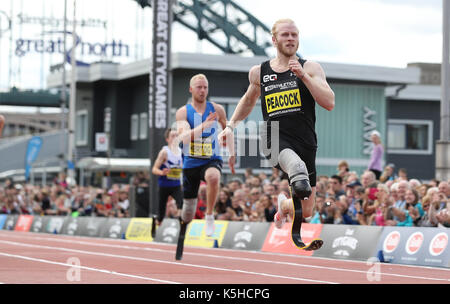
<point x="369" y="32"/>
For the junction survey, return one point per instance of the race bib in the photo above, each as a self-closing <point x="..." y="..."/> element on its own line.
<point x="174" y="173"/>
<point x="201" y="148"/>
<point x="283" y="102"/>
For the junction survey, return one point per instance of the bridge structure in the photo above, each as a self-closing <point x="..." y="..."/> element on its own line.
<point x="223" y="23"/>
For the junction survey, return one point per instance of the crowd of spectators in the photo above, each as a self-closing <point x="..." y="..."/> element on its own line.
<point x="344" y="198"/>
<point x="62" y="199"/>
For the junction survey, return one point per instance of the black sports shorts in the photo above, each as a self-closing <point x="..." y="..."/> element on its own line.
<point x="193" y="176"/>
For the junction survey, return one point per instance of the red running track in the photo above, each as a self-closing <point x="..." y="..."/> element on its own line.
<point x="36" y="258"/>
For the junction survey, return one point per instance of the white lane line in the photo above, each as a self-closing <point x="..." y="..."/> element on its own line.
<point x="86" y="268"/>
<point x="166" y="262"/>
<point x="247" y="259"/>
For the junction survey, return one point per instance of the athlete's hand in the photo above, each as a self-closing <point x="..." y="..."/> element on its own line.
<point x="212" y="117"/>
<point x="225" y="137"/>
<point x="296" y="68"/>
<point x="165" y="171"/>
<point x="231" y="162"/>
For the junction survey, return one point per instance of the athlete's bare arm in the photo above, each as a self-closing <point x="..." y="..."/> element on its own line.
<point x="162" y="157"/>
<point x="248" y="101"/>
<point x="315" y="80"/>
<point x="185" y="133"/>
<point x="222" y="118"/>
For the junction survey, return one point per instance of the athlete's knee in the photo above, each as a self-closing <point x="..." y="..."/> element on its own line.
<point x="212" y="177"/>
<point x="301" y="189"/>
<point x="188" y="209"/>
<point x="293" y="165"/>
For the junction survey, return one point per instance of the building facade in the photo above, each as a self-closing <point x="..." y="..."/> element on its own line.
<point x="121" y="92"/>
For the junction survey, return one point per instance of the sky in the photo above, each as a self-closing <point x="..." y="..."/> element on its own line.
<point x="388" y="33"/>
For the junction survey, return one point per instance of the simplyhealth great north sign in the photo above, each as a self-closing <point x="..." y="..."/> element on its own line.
<point x="114" y="48"/>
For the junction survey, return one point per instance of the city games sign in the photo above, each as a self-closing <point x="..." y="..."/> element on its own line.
<point x="159" y="87"/>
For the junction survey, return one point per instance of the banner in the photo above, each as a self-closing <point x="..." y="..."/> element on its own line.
<point x="2" y="220"/>
<point x="196" y="237"/>
<point x="54" y="224"/>
<point x="426" y="246"/>
<point x="279" y="240"/>
<point x="350" y="242"/>
<point x="91" y="226"/>
<point x="168" y="231"/>
<point x="39" y="223"/>
<point x="71" y="226"/>
<point x="10" y="222"/>
<point x="33" y="148"/>
<point x="159" y="87"/>
<point x="139" y="229"/>
<point x="245" y="235"/>
<point x="24" y="223"/>
<point x="114" y="228"/>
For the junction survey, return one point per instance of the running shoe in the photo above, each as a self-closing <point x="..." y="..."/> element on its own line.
<point x="209" y="227"/>
<point x="279" y="220"/>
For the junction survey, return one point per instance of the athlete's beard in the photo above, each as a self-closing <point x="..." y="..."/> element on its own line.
<point x="288" y="52"/>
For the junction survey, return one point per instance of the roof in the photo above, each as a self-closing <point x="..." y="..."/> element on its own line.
<point x="236" y="63"/>
<point x="114" y="164"/>
<point x="415" y="92"/>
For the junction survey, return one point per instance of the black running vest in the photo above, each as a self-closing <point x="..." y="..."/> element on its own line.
<point x="286" y="99"/>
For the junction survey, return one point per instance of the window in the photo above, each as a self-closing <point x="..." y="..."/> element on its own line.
<point x="410" y="136"/>
<point x="81" y="128"/>
<point x="143" y="125"/>
<point x="134" y="127"/>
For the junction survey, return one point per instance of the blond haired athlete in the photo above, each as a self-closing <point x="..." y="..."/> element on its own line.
<point x="198" y="125"/>
<point x="289" y="88"/>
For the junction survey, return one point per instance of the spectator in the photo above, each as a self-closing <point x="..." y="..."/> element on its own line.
<point x="259" y="212"/>
<point x="222" y="204"/>
<point x="401" y="192"/>
<point x="234" y="184"/>
<point x="319" y="214"/>
<point x="402" y="174"/>
<point x="333" y="212"/>
<point x="201" y="203"/>
<point x="388" y="173"/>
<point x="423" y="190"/>
<point x="376" y="156"/>
<point x="425" y="220"/>
<point x="269" y="189"/>
<point x="444" y="188"/>
<point x="343" y="169"/>
<point x="413" y="206"/>
<point x="236" y="211"/>
<point x="367" y="178"/>
<point x="346" y="215"/>
<point x="124" y="203"/>
<point x="381" y="204"/>
<point x="336" y="185"/>
<point x="172" y="210"/>
<point x="269" y="207"/>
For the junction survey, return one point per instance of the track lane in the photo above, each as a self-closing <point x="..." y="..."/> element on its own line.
<point x="204" y="265"/>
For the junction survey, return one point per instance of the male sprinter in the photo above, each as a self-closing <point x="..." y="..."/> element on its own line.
<point x="168" y="166"/>
<point x="197" y="126"/>
<point x="289" y="88"/>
